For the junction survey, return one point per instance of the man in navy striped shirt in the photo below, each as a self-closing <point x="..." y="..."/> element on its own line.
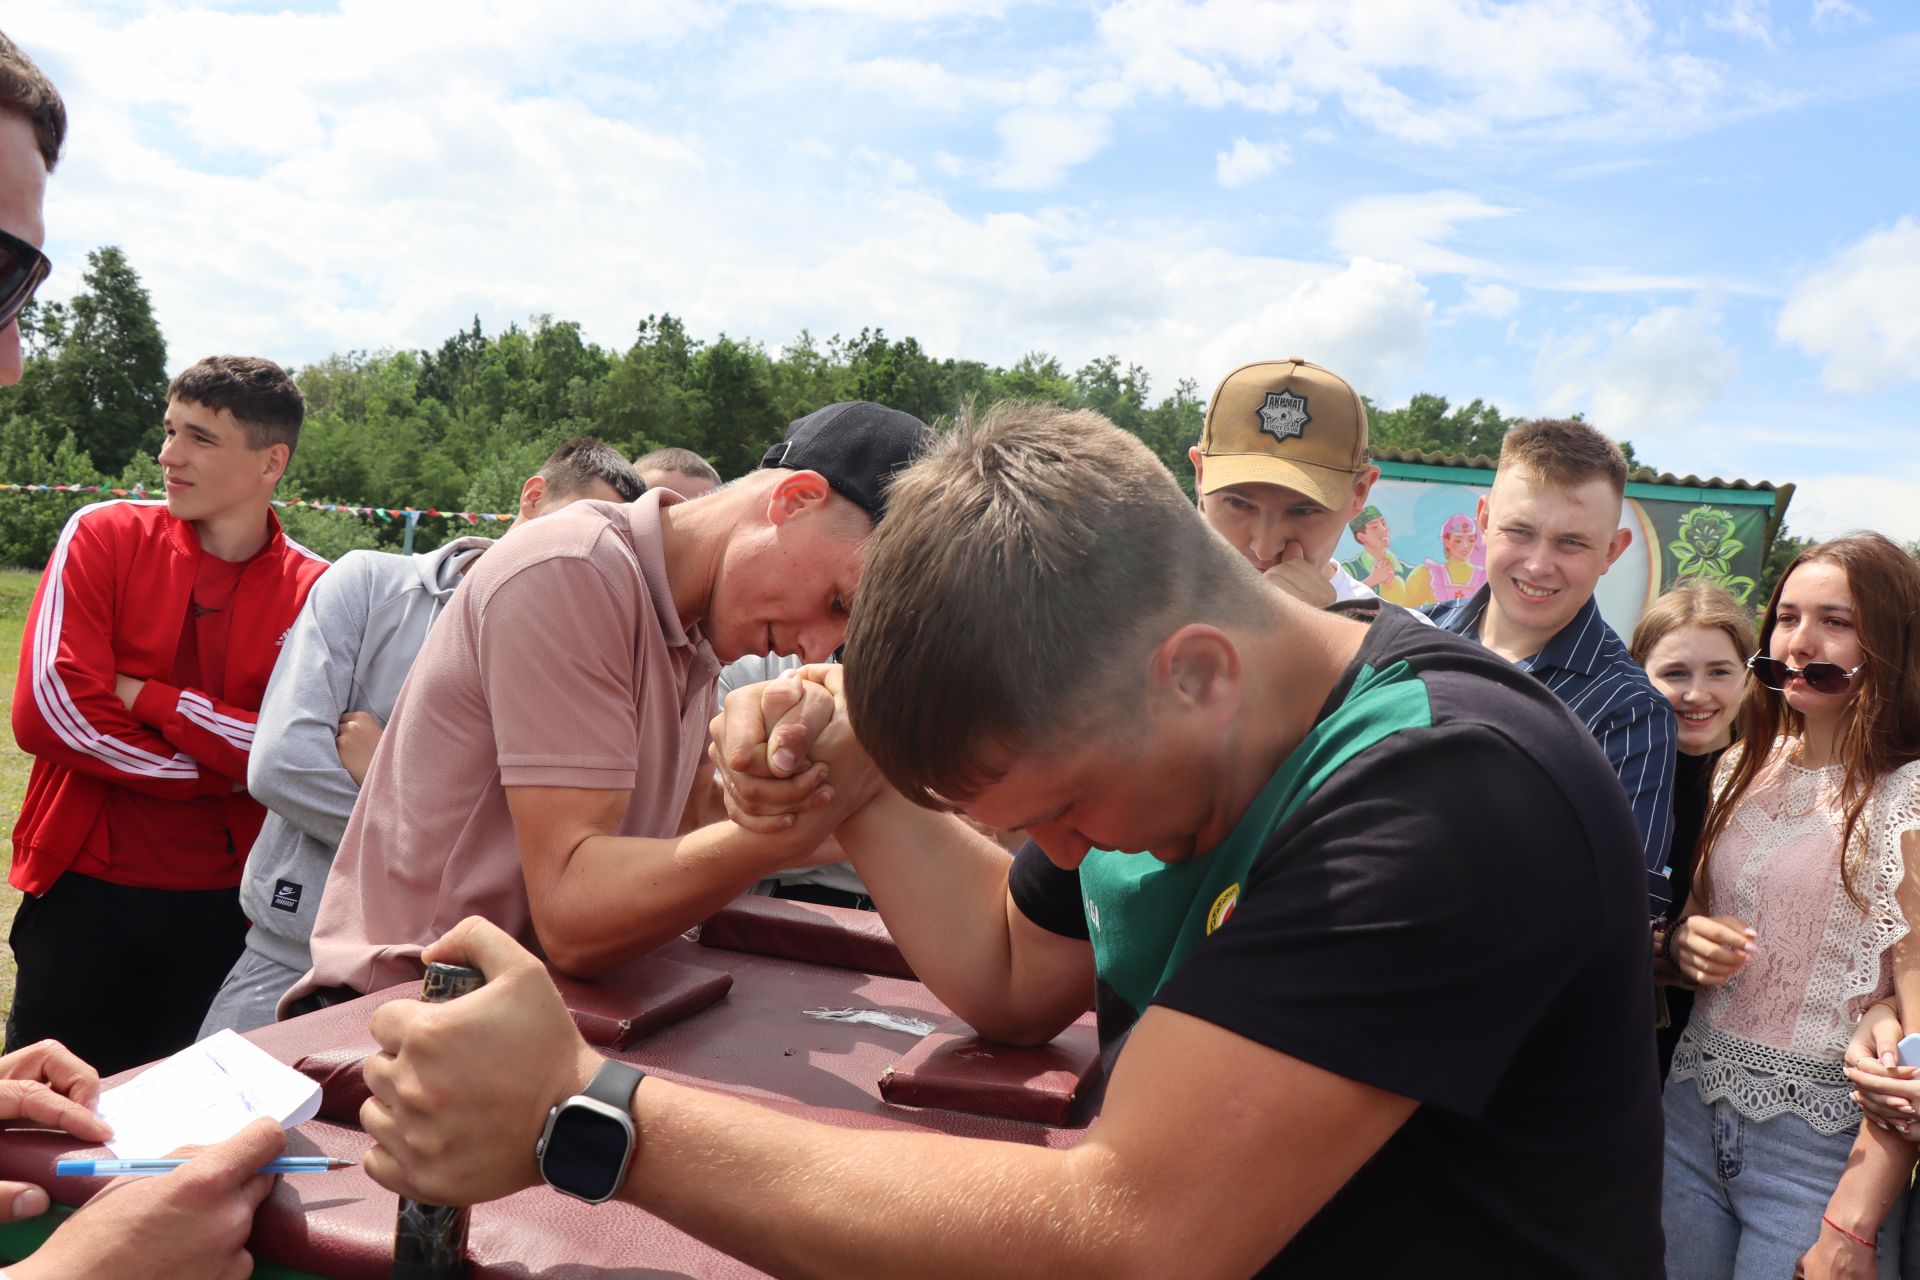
<point x="1552" y="527"/>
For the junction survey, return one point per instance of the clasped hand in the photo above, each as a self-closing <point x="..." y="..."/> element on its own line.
<point x="784" y="749"/>
<point x="1885" y="1090"/>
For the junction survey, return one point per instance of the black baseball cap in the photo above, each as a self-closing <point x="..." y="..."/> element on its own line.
<point x="857" y="445"/>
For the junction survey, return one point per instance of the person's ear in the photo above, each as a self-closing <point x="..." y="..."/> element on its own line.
<point x="1480" y="510"/>
<point x="1196" y="671"/>
<point x="797" y="491"/>
<point x="1362" y="487"/>
<point x="531" y="494"/>
<point x="273" y="463"/>
<point x="1622" y="539"/>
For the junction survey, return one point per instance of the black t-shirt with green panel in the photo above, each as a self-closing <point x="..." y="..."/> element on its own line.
<point x="1439" y="893"/>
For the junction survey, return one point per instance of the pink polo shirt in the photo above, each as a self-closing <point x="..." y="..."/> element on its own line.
<point x="560" y="662"/>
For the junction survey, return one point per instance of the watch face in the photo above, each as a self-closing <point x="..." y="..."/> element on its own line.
<point x="586" y="1154"/>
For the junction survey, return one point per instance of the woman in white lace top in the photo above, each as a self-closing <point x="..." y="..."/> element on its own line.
<point x="1796" y="918"/>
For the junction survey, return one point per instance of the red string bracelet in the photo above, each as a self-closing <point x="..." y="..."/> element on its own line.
<point x="1848" y="1234"/>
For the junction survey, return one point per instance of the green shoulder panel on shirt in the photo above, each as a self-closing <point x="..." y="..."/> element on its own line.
<point x="1146" y="916"/>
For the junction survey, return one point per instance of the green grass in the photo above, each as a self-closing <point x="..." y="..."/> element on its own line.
<point x="16" y="594"/>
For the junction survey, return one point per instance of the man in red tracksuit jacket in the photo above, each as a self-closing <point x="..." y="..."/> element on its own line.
<point x="149" y="645"/>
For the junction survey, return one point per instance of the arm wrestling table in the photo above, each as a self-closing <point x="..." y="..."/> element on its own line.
<point x="754" y="1043"/>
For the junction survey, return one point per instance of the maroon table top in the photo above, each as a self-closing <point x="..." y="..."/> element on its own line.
<point x="755" y="1043"/>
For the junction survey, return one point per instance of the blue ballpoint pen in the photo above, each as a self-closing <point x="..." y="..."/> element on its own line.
<point x="136" y="1168"/>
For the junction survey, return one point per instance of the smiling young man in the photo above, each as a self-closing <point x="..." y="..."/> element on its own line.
<point x="540" y="757"/>
<point x="1552" y="524"/>
<point x="1313" y="1026"/>
<point x="147" y="650"/>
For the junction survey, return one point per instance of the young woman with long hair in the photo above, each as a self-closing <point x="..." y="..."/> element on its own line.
<point x="1797" y="908"/>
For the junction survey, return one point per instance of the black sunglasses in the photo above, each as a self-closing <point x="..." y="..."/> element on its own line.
<point x="22" y="269"/>
<point x="1821" y="677"/>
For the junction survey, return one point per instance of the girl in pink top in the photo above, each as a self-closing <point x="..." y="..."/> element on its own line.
<point x="1461" y="545"/>
<point x="1795" y="921"/>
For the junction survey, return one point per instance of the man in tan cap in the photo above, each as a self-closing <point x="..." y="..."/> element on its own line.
<point x="1281" y="468"/>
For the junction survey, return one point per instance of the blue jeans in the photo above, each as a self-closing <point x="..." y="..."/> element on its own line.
<point x="1742" y="1198"/>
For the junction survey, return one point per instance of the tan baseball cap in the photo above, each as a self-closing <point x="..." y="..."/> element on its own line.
<point x="1285" y="422"/>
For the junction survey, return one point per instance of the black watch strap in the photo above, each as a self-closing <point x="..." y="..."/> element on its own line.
<point x="614" y="1084"/>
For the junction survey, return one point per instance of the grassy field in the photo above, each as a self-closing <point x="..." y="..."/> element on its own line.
<point x="16" y="593"/>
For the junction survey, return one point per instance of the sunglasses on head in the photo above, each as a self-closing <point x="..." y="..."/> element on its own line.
<point x="1821" y="677"/>
<point x="22" y="269"/>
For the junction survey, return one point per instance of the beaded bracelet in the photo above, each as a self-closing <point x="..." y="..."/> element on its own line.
<point x="1849" y="1235"/>
<point x="1666" y="951"/>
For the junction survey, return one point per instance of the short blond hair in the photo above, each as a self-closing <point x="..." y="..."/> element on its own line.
<point x="1029" y="563"/>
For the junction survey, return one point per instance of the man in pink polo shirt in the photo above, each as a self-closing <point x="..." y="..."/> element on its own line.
<point x="545" y="742"/>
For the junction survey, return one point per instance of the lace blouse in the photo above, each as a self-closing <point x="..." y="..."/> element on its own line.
<point x="1771" y="1039"/>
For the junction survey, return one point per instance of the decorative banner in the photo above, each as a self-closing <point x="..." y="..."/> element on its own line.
<point x="1722" y="544"/>
<point x="388" y="514"/>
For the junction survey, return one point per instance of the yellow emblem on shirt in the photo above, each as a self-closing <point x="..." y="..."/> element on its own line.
<point x="1223" y="906"/>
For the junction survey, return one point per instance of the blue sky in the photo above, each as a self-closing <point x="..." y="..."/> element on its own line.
<point x="1698" y="223"/>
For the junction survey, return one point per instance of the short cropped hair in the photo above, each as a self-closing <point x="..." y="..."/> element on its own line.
<point x="1564" y="453"/>
<point x="1694" y="602"/>
<point x="256" y="391"/>
<point x="582" y="460"/>
<point x="25" y="91"/>
<point x="1029" y="563"/>
<point x="683" y="461"/>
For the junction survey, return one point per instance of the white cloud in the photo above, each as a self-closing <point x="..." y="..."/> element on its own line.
<point x="1427" y="72"/>
<point x="1858" y="312"/>
<point x="1664" y="369"/>
<point x="1368" y="320"/>
<point x="1615" y="280"/>
<point x="1494" y="301"/>
<point x="1829" y="14"/>
<point x="1432" y="72"/>
<point x="1248" y="162"/>
<point x="1747" y="19"/>
<point x="1038" y="145"/>
<point x="885" y="165"/>
<point x="1826" y="506"/>
<point x="1408" y="229"/>
<point x="901" y="10"/>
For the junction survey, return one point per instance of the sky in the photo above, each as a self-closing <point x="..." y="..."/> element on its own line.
<point x="1697" y="223"/>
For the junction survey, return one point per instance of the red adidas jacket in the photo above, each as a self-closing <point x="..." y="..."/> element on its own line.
<point x="113" y="600"/>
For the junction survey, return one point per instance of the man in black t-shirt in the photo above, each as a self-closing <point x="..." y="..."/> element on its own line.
<point x="1327" y="1056"/>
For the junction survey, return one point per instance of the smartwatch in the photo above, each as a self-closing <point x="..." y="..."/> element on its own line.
<point x="589" y="1139"/>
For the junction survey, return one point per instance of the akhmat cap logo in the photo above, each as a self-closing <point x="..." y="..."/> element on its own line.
<point x="1284" y="414"/>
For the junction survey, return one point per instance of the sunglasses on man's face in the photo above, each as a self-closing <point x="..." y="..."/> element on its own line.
<point x="1821" y="677"/>
<point x="22" y="268"/>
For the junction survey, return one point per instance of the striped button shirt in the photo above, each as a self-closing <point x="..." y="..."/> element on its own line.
<point x="1589" y="668"/>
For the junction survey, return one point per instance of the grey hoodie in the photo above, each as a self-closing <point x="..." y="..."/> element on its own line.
<point x="363" y="624"/>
